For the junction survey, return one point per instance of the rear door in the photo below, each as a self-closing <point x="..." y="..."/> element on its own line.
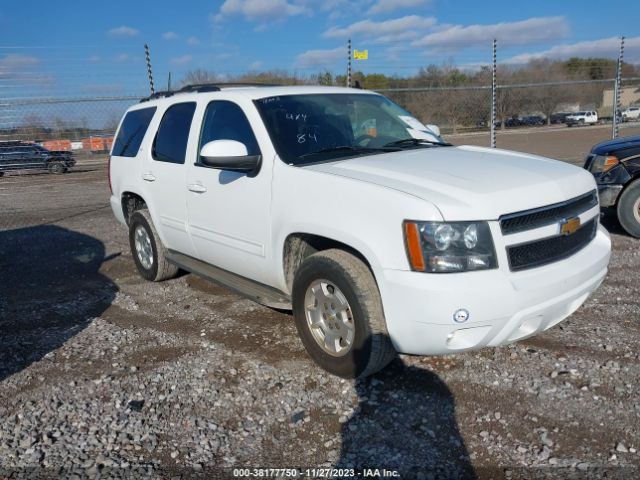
<point x="164" y="176"/>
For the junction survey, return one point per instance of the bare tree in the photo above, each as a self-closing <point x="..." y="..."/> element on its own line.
<point x="199" y="76"/>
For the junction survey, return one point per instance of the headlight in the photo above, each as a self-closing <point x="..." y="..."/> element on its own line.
<point x="603" y="163"/>
<point x="443" y="247"/>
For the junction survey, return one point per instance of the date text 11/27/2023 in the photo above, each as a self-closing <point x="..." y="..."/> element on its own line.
<point x="314" y="473"/>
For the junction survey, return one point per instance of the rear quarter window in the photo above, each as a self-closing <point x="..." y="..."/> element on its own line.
<point x="132" y="131"/>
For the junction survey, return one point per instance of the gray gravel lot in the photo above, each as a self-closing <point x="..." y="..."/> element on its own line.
<point x="103" y="374"/>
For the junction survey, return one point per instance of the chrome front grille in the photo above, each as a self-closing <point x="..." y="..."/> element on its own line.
<point x="540" y="217"/>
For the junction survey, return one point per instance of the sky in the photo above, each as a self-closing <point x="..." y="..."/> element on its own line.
<point x="87" y="48"/>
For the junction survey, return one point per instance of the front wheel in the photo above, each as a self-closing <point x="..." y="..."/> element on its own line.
<point x="339" y="316"/>
<point x="57" y="168"/>
<point x="149" y="254"/>
<point x="629" y="209"/>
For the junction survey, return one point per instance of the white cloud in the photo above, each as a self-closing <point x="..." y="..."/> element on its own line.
<point x="94" y="58"/>
<point x="605" y="47"/>
<point x="525" y="32"/>
<point x="183" y="60"/>
<point x="122" y="57"/>
<point x="321" y="58"/>
<point x="12" y="66"/>
<point x="170" y="35"/>
<point x="123" y="31"/>
<point x="261" y="10"/>
<point x="388" y="31"/>
<point x="256" y="65"/>
<point x="386" y="6"/>
<point x="193" y="41"/>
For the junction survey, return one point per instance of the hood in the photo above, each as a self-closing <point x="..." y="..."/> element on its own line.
<point x="618" y="143"/>
<point x="467" y="182"/>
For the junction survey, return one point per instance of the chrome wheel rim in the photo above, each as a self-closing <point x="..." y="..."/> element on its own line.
<point x="636" y="209"/>
<point x="329" y="318"/>
<point x="143" y="247"/>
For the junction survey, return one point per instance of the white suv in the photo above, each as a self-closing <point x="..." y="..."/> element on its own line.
<point x="338" y="204"/>
<point x="630" y="113"/>
<point x="581" y="118"/>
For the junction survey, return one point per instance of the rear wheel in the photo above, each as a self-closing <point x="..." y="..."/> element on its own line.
<point x="629" y="209"/>
<point x="338" y="314"/>
<point x="149" y="254"/>
<point x="57" y="168"/>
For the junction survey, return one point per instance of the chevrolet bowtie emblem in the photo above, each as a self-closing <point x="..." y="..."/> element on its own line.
<point x="569" y="226"/>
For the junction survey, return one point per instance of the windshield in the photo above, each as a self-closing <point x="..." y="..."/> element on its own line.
<point x="325" y="127"/>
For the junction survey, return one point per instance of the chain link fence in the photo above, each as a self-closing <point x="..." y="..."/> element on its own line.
<point x="36" y="107"/>
<point x="65" y="123"/>
<point x="465" y="109"/>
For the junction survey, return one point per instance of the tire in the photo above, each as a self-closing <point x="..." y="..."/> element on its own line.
<point x="629" y="209"/>
<point x="346" y="279"/>
<point x="57" y="168"/>
<point x="151" y="261"/>
<point x="1" y="174"/>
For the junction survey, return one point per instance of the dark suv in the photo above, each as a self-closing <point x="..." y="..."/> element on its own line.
<point x="28" y="156"/>
<point x="615" y="165"/>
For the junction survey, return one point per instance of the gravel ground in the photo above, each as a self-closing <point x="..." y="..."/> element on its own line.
<point x="103" y="374"/>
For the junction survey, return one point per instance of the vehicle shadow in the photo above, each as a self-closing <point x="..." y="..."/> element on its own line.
<point x="405" y="422"/>
<point x="609" y="220"/>
<point x="50" y="289"/>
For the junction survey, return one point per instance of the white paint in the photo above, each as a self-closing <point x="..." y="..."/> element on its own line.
<point x="241" y="224"/>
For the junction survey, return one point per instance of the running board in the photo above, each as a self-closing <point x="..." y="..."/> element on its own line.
<point x="257" y="292"/>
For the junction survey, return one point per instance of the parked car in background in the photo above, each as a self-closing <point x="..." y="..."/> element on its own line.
<point x="512" y="122"/>
<point x="615" y="164"/>
<point x="630" y="113"/>
<point x="340" y="205"/>
<point x="559" y="117"/>
<point x="532" y="120"/>
<point x="29" y="156"/>
<point x="589" y="117"/>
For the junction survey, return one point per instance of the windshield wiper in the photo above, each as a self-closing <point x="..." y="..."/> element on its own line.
<point x="344" y="148"/>
<point x="415" y="142"/>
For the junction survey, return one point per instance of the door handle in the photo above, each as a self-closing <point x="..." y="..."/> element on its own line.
<point x="148" y="177"/>
<point x="197" y="188"/>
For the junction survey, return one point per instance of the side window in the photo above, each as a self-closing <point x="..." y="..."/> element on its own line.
<point x="170" y="144"/>
<point x="132" y="131"/>
<point x="225" y="120"/>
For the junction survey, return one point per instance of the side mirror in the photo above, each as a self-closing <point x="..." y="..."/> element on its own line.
<point x="229" y="155"/>
<point x="434" y="128"/>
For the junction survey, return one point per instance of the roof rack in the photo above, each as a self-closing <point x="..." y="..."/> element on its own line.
<point x="206" y="87"/>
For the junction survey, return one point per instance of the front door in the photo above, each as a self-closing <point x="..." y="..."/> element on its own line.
<point x="229" y="212"/>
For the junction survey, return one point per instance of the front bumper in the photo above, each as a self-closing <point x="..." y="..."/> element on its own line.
<point x="503" y="306"/>
<point x="608" y="194"/>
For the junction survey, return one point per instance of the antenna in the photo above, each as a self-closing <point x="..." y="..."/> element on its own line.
<point x="148" y="56"/>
